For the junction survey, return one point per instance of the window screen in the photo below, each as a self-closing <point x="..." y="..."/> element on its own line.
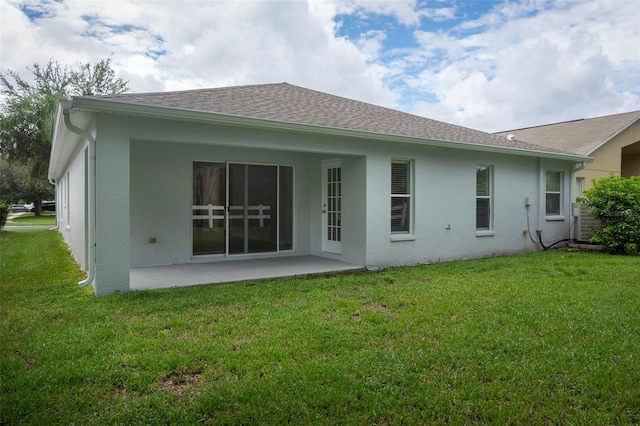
<point x="483" y="197"/>
<point x="553" y="193"/>
<point x="401" y="197"/>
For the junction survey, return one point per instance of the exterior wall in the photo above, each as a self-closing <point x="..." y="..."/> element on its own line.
<point x="631" y="160"/>
<point x="160" y="204"/>
<point x="112" y="207"/>
<point x="608" y="158"/>
<point x="355" y="216"/>
<point x="160" y="187"/>
<point x="445" y="206"/>
<point x="144" y="191"/>
<point x="71" y="205"/>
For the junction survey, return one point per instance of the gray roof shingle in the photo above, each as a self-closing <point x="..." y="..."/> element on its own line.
<point x="577" y="136"/>
<point x="287" y="103"/>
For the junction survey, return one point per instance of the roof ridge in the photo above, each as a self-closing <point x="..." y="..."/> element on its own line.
<point x="395" y="111"/>
<point x="569" y="121"/>
<point x="201" y="89"/>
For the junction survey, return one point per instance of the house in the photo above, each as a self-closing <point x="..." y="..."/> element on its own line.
<point x="277" y="171"/>
<point x="613" y="141"/>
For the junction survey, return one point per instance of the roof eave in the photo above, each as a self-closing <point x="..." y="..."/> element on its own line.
<point x="613" y="135"/>
<point x="60" y="133"/>
<point x="91" y="104"/>
<point x="65" y="142"/>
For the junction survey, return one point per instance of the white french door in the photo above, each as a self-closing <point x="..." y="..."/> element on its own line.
<point x="332" y="206"/>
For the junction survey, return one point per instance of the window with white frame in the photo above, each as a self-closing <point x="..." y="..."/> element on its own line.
<point x="553" y="190"/>
<point x="579" y="186"/>
<point x="484" y="194"/>
<point x="401" y="195"/>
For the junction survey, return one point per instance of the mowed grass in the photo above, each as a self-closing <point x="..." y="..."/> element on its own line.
<point x="544" y="338"/>
<point x="30" y="219"/>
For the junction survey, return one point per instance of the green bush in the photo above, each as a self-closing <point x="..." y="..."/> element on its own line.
<point x="3" y="213"/>
<point x="616" y="202"/>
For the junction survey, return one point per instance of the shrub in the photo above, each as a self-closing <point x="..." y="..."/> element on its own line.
<point x="616" y="202"/>
<point x="3" y="213"/>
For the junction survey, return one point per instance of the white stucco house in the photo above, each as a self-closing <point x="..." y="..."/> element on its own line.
<point x="275" y="170"/>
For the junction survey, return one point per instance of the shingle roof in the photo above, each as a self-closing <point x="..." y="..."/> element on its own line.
<point x="287" y="103"/>
<point x="578" y="136"/>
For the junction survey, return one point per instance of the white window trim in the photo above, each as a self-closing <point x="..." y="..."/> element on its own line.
<point x="485" y="233"/>
<point x="405" y="236"/>
<point x="491" y="231"/>
<point x="579" y="187"/>
<point x="560" y="215"/>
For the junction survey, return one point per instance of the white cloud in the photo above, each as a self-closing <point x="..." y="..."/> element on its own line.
<point x="522" y="63"/>
<point x="405" y="11"/>
<point x="531" y="68"/>
<point x="159" y="45"/>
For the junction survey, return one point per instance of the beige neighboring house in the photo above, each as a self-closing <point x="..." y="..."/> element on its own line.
<point x="613" y="141"/>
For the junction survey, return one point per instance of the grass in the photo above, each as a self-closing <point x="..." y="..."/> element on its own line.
<point x="544" y="338"/>
<point x="30" y="219"/>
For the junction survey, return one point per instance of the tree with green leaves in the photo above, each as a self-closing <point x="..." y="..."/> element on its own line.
<point x="26" y="140"/>
<point x="27" y="115"/>
<point x="11" y="181"/>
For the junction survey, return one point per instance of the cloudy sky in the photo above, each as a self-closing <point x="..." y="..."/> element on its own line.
<point x="489" y="65"/>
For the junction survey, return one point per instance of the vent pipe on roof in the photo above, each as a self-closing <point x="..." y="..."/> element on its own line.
<point x="511" y="136"/>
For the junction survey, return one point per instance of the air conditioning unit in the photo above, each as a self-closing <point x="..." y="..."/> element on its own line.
<point x="585" y="224"/>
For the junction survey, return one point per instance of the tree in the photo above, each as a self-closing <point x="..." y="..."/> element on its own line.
<point x="28" y="114"/>
<point x="62" y="81"/>
<point x="11" y="177"/>
<point x="616" y="202"/>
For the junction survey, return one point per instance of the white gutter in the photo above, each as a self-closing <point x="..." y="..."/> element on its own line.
<point x="91" y="192"/>
<point x="90" y="104"/>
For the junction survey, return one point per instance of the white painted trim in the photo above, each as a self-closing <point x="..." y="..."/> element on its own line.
<point x="554" y="218"/>
<point x="485" y="233"/>
<point x="403" y="237"/>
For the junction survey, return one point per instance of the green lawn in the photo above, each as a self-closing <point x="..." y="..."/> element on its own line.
<point x="545" y="338"/>
<point x="30" y="219"/>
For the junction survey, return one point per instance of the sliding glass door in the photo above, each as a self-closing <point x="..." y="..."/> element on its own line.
<point x="242" y="208"/>
<point x="209" y="208"/>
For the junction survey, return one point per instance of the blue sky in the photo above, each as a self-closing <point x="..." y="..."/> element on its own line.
<point x="489" y="65"/>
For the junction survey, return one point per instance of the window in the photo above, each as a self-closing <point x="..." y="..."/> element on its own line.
<point x="579" y="186"/>
<point x="484" y="194"/>
<point x="401" y="197"/>
<point x="553" y="193"/>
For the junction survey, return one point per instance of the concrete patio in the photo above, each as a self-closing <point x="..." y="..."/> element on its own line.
<point x="234" y="271"/>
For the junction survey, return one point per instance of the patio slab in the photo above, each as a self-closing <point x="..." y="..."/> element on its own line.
<point x="234" y="271"/>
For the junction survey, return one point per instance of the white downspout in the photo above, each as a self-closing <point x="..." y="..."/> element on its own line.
<point x="91" y="192"/>
<point x="540" y="196"/>
<point x="53" y="182"/>
<point x="571" y="196"/>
